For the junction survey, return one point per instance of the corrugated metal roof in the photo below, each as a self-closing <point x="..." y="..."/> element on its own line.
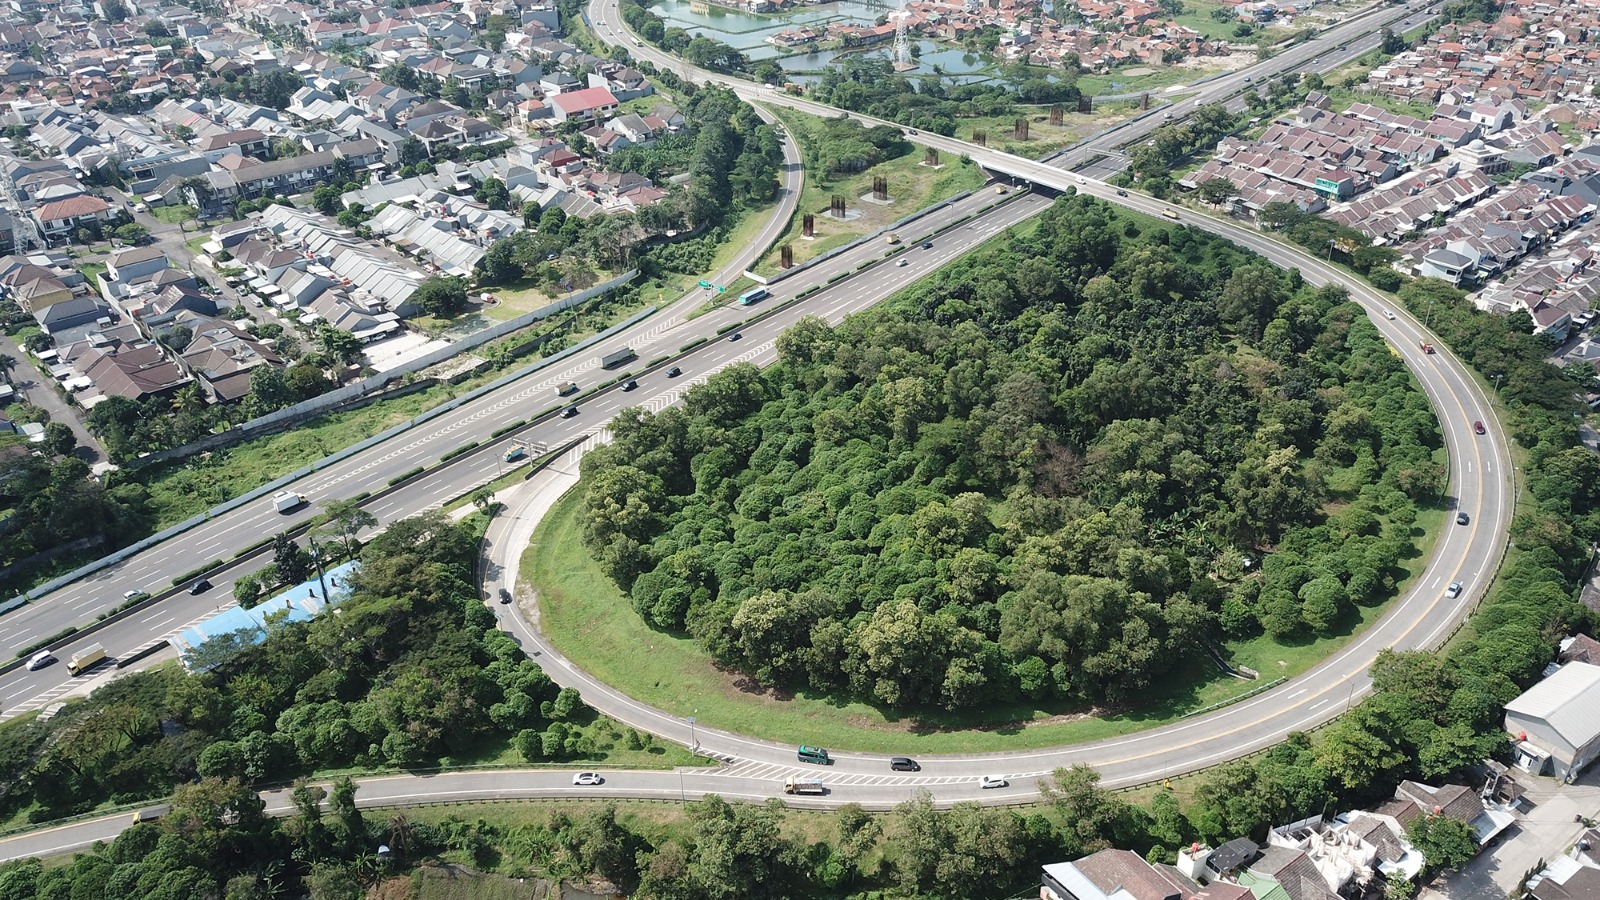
<point x="1569" y="700"/>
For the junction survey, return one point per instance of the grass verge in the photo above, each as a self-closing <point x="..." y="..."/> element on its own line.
<point x="912" y="186"/>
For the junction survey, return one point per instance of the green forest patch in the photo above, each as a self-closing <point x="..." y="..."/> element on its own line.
<point x="1009" y="508"/>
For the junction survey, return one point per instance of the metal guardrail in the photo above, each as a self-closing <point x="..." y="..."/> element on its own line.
<point x="1258" y="689"/>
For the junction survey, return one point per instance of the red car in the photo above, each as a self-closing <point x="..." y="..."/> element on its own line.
<point x="1478" y="427"/>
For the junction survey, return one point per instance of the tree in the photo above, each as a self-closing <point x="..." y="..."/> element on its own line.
<point x="132" y="233"/>
<point x="325" y="199"/>
<point x="269" y="390"/>
<point x="1085" y="811"/>
<point x="441" y="297"/>
<point x="1446" y="843"/>
<point x="339" y="344"/>
<point x="1216" y="190"/>
<point x="346" y="519"/>
<point x="412" y="151"/>
<point x="493" y="194"/>
<point x="59" y="439"/>
<point x="294" y="564"/>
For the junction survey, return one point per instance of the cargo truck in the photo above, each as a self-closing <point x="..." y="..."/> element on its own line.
<point x="570" y="387"/>
<point x="85" y="659"/>
<point x="1426" y="347"/>
<point x="804" y="786"/>
<point x="612" y="360"/>
<point x="288" y="501"/>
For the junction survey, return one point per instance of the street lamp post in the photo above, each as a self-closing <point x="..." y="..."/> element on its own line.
<point x="1497" y="384"/>
<point x="694" y="745"/>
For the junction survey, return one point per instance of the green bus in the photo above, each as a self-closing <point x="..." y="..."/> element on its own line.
<point x="750" y="297"/>
<point x="815" y="755"/>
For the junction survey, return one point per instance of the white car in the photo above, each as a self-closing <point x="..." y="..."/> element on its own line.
<point x="1388" y="314"/>
<point x="588" y="779"/>
<point x="1454" y="590"/>
<point x="40" y="660"/>
<point x="992" y="781"/>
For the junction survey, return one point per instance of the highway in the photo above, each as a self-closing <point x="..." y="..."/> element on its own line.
<point x="372" y="469"/>
<point x="1480" y="477"/>
<point x="1479" y="483"/>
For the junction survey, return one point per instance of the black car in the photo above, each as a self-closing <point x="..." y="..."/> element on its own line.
<point x="1121" y="192"/>
<point x="505" y="596"/>
<point x="735" y="336"/>
<point x="200" y="587"/>
<point x="904" y="764"/>
<point x="569" y="412"/>
<point x="630" y="384"/>
<point x="674" y="372"/>
<point x="1462" y="518"/>
<point x="927" y="245"/>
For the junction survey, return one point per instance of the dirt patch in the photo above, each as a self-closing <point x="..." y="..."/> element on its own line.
<point x="923" y="726"/>
<point x="448" y="881"/>
<point x="1231" y="61"/>
<point x="391" y="889"/>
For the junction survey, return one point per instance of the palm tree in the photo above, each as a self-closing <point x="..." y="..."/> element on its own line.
<point x="190" y="399"/>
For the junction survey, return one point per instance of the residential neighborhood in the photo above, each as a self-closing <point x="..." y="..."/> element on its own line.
<point x="175" y="117"/>
<point x="1495" y="190"/>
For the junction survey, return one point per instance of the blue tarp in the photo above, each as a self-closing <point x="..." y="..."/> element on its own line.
<point x="301" y="603"/>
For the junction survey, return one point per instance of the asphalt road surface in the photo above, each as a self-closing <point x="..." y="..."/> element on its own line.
<point x="1479" y="477"/>
<point x="1479" y="483"/>
<point x="372" y="469"/>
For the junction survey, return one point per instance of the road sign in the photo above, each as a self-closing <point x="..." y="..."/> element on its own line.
<point x="721" y="289"/>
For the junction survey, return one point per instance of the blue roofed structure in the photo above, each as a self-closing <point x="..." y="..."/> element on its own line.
<point x="301" y="603"/>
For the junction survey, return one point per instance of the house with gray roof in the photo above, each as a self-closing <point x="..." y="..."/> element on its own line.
<point x="1555" y="725"/>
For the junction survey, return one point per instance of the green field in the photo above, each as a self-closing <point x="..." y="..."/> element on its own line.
<point x="1161" y="77"/>
<point x="585" y="615"/>
<point x="1043" y="138"/>
<point x="912" y="186"/>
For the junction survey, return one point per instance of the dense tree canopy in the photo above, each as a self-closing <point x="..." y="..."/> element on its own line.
<point x="1038" y="477"/>
<point x="410" y="670"/>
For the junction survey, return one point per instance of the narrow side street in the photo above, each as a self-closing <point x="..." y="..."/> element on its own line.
<point x="32" y="388"/>
<point x="1547" y="827"/>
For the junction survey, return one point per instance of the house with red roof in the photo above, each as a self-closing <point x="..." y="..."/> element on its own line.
<point x="57" y="219"/>
<point x="588" y="105"/>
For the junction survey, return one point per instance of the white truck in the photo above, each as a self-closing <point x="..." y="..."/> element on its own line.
<point x="288" y="501"/>
<point x="804" y="786"/>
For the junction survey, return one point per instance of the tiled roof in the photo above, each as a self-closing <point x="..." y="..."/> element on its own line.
<point x="1123" y="870"/>
<point x="71" y="208"/>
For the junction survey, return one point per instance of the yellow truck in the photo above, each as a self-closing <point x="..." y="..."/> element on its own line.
<point x="86" y="659"/>
<point x="892" y="238"/>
